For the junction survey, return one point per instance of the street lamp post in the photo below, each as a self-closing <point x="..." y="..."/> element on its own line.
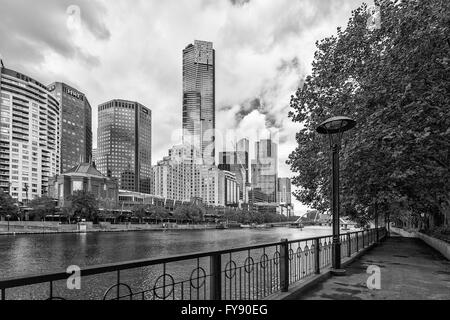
<point x="334" y="128"/>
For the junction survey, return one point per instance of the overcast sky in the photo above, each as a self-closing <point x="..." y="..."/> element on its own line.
<point x="132" y="49"/>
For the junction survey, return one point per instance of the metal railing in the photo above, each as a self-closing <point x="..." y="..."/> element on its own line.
<point x="247" y="273"/>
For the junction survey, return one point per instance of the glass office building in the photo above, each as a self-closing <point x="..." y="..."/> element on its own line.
<point x="124" y="144"/>
<point x="199" y="118"/>
<point x="29" y="136"/>
<point x="265" y="169"/>
<point x="76" y="125"/>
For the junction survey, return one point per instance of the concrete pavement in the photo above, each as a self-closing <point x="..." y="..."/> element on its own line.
<point x="410" y="269"/>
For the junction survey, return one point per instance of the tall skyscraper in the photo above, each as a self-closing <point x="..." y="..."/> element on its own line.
<point x="124" y="144"/>
<point x="29" y="135"/>
<point x="265" y="168"/>
<point x="76" y="125"/>
<point x="199" y="115"/>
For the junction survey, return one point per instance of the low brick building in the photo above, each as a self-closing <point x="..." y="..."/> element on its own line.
<point x="84" y="177"/>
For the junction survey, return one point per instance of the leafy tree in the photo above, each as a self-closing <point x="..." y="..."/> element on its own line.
<point x="180" y="213"/>
<point x="68" y="213"/>
<point x="84" y="205"/>
<point x="233" y="215"/>
<point x="195" y="212"/>
<point x="159" y="213"/>
<point x="42" y="206"/>
<point x="395" y="82"/>
<point x="140" y="211"/>
<point x="8" y="205"/>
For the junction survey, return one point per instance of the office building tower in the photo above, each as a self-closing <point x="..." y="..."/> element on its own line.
<point x="177" y="176"/>
<point x="76" y="125"/>
<point x="265" y="169"/>
<point x="284" y="191"/>
<point x="199" y="118"/>
<point x="124" y="144"/>
<point x="230" y="161"/>
<point x="231" y="190"/>
<point x="94" y="155"/>
<point x="284" y="197"/>
<point x="29" y="136"/>
<point x="237" y="163"/>
<point x="213" y="186"/>
<point x="243" y="151"/>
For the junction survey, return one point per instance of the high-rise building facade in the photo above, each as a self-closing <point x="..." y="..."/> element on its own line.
<point x="94" y="155"/>
<point x="243" y="152"/>
<point x="182" y="176"/>
<point x="284" y="196"/>
<point x="265" y="168"/>
<point x="177" y="176"/>
<point x="232" y="190"/>
<point x="213" y="186"/>
<point x="284" y="191"/>
<point x="199" y="115"/>
<point x="237" y="163"/>
<point x="124" y="144"/>
<point x="76" y="125"/>
<point x="230" y="161"/>
<point x="29" y="136"/>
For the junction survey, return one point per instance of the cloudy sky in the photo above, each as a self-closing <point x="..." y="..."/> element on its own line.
<point x="132" y="49"/>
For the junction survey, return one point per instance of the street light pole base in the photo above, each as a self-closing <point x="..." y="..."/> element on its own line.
<point x="338" y="272"/>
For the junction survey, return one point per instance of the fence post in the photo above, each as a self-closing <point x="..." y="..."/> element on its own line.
<point x="349" y="246"/>
<point x="317" y="245"/>
<point x="363" y="242"/>
<point x="357" y="241"/>
<point x="284" y="265"/>
<point x="215" y="284"/>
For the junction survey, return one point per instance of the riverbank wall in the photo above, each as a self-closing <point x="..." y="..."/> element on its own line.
<point x="439" y="245"/>
<point x="38" y="227"/>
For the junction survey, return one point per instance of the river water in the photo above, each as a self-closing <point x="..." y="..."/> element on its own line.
<point x="35" y="254"/>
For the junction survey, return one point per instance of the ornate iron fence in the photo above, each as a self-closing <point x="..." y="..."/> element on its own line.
<point x="247" y="273"/>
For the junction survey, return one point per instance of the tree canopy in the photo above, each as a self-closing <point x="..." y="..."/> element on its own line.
<point x="395" y="82"/>
<point x="7" y="205"/>
<point x="84" y="205"/>
<point x="42" y="206"/>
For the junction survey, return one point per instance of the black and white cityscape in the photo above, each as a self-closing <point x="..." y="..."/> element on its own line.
<point x="224" y="150"/>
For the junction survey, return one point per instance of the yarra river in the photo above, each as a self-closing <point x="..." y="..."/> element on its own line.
<point x="22" y="255"/>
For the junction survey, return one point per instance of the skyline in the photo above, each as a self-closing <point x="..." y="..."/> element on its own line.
<point x="144" y="60"/>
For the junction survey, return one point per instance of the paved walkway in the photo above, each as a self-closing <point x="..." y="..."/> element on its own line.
<point x="410" y="269"/>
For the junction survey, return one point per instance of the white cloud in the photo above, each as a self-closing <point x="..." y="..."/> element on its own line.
<point x="133" y="49"/>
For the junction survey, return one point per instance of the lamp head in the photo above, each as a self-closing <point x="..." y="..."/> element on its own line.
<point x="336" y="125"/>
<point x="334" y="128"/>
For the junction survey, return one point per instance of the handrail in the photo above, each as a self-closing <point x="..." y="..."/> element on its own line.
<point x="279" y="265"/>
<point x="104" y="268"/>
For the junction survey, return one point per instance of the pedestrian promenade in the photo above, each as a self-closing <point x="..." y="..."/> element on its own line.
<point x="410" y="269"/>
